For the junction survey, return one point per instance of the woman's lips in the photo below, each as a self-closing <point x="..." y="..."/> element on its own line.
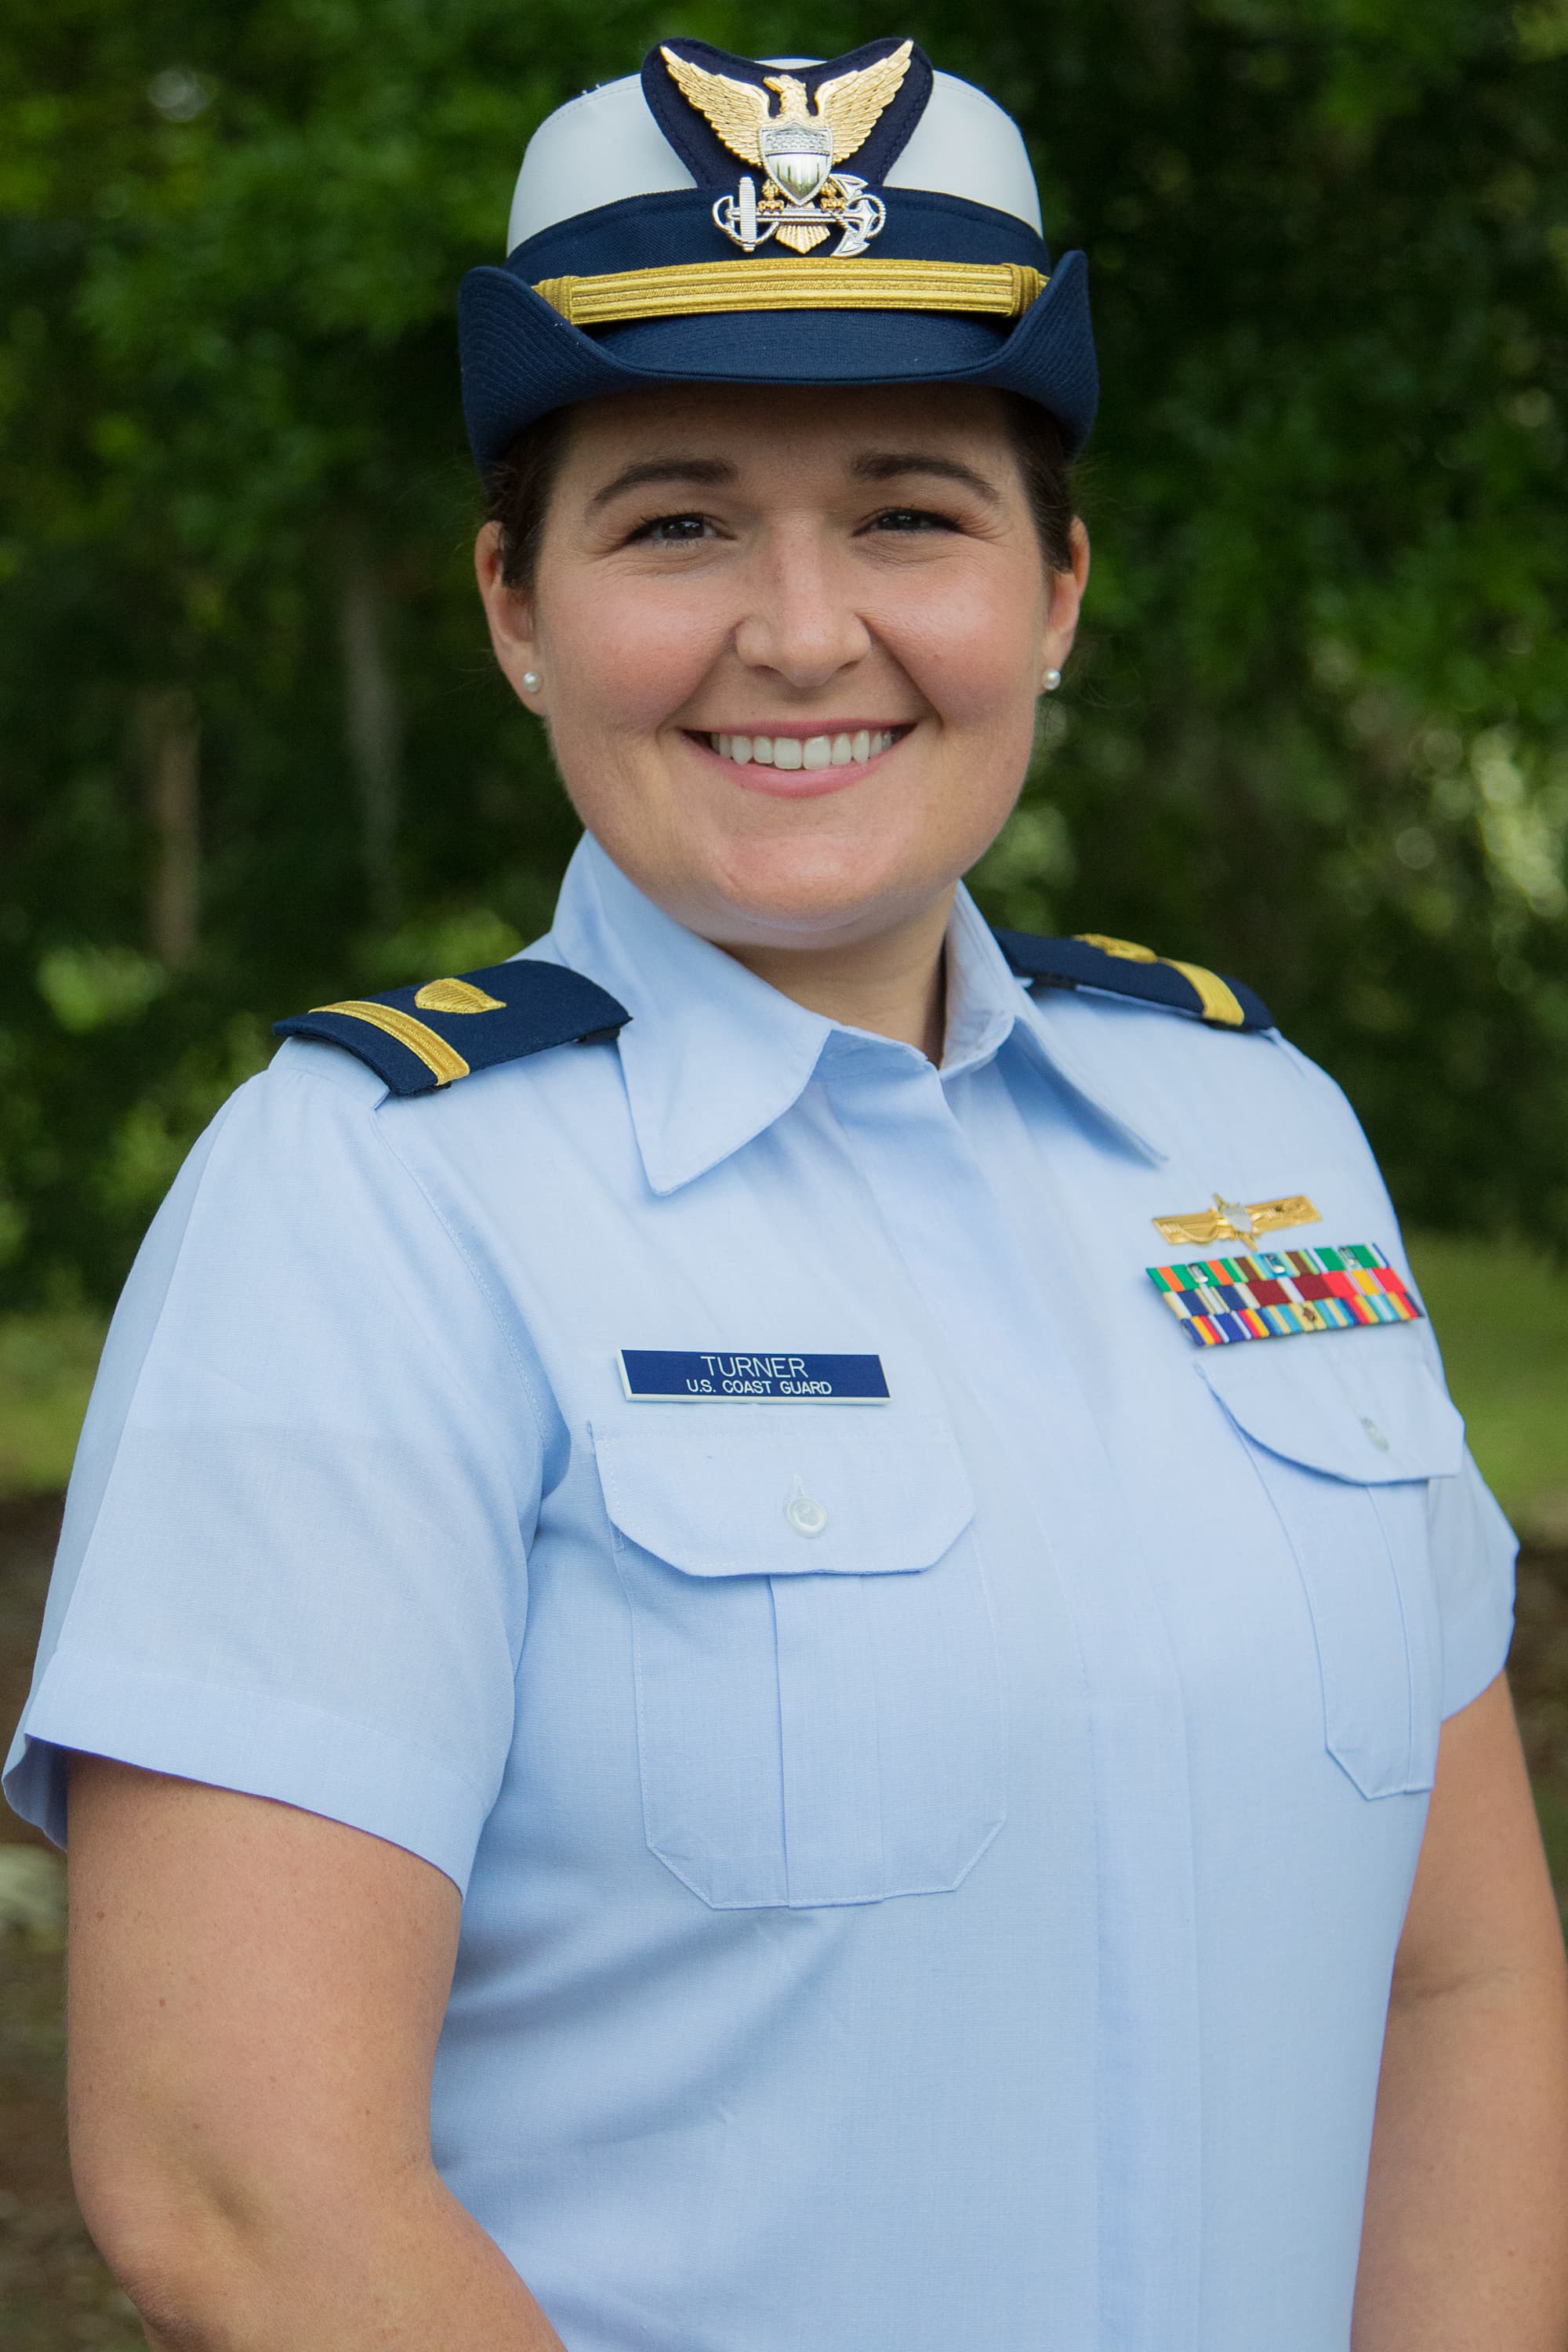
<point x="797" y="766"/>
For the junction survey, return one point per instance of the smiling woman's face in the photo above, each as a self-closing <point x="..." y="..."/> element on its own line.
<point x="789" y="646"/>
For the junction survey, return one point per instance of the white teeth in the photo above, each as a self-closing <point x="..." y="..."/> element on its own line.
<point x="815" y="751"/>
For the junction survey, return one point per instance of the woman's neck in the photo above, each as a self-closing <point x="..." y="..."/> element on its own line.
<point x="893" y="984"/>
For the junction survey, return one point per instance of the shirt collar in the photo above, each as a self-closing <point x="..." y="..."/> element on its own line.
<point x="988" y="1005"/>
<point x="712" y="1055"/>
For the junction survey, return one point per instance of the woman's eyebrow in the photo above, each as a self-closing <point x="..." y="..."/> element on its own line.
<point x="706" y="472"/>
<point x="886" y="465"/>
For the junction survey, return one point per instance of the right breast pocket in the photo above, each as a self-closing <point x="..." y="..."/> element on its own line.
<point x="1346" y="1431"/>
<point x="818" y="1694"/>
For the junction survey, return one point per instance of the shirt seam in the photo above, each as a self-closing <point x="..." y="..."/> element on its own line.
<point x="89" y="1533"/>
<point x="461" y="1252"/>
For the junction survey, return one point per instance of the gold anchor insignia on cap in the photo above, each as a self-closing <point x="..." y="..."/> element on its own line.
<point x="804" y="199"/>
<point x="1233" y="1221"/>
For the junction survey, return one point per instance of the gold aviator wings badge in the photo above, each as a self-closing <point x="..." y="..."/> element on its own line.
<point x="1232" y="1220"/>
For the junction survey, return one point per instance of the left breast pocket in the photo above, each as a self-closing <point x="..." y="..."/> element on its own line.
<point x="818" y="1692"/>
<point x="1346" y="1431"/>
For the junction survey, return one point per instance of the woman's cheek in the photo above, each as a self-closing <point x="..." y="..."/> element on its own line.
<point x="975" y="656"/>
<point x="640" y="656"/>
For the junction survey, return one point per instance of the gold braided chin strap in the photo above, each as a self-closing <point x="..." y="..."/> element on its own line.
<point x="1219" y="1002"/>
<point x="998" y="289"/>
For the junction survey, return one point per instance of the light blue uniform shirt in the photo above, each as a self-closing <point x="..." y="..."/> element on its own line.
<point x="968" y="1924"/>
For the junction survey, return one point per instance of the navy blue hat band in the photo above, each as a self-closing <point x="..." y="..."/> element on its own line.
<point x="651" y="232"/>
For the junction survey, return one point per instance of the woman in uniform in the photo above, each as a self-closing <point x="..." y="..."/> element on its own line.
<point x="772" y="1629"/>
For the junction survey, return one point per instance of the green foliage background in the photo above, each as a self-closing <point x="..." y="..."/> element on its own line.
<point x="1318" y="730"/>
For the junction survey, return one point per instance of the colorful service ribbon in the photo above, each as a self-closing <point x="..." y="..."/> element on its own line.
<point x="1281" y="1293"/>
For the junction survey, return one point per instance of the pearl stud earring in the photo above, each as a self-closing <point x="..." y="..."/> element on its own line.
<point x="1052" y="679"/>
<point x="531" y="681"/>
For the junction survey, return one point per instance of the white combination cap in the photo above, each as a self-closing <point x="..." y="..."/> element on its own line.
<point x="718" y="219"/>
<point x="606" y="145"/>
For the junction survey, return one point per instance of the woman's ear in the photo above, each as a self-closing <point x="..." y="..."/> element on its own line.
<point x="509" y="613"/>
<point x="1064" y="600"/>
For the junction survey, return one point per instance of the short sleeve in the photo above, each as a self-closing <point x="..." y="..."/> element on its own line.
<point x="1473" y="1549"/>
<point x="294" y="1560"/>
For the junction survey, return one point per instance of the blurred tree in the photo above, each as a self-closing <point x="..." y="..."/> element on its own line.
<point x="1318" y="730"/>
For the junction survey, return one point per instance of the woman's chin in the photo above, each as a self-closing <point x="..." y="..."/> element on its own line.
<point x="806" y="892"/>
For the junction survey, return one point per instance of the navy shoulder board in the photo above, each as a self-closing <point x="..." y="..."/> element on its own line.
<point x="417" y="1039"/>
<point x="1123" y="969"/>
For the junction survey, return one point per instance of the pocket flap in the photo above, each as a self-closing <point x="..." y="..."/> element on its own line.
<point x="1363" y="1406"/>
<point x="717" y="1502"/>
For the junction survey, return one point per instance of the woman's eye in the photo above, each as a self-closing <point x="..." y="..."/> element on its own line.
<point x="910" y="519"/>
<point x="674" y="531"/>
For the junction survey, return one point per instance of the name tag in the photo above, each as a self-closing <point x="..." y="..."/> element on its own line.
<point x="665" y="1375"/>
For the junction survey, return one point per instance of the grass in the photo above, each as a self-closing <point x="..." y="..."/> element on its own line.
<point x="1500" y="1313"/>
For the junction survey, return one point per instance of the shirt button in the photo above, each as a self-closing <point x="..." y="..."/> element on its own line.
<point x="1376" y="1435"/>
<point x="805" y="1516"/>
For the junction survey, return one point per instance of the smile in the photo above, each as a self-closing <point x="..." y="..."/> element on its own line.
<point x="840" y="750"/>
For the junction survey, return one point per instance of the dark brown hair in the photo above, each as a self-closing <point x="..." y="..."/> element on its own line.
<point x="518" y="487"/>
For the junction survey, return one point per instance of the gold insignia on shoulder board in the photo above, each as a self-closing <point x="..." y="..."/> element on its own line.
<point x="804" y="199"/>
<point x="1128" y="949"/>
<point x="456" y="996"/>
<point x="1231" y="1221"/>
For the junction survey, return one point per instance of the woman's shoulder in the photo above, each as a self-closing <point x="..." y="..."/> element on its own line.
<point x="1115" y="967"/>
<point x="342" y="1129"/>
<point x="420" y="1038"/>
<point x="1196" y="1056"/>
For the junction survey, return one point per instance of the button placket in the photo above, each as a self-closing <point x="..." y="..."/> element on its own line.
<point x="944" y="1220"/>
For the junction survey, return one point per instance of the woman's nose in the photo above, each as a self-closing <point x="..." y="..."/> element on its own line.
<point x="802" y="624"/>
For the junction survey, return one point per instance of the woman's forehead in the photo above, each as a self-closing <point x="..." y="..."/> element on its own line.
<point x="755" y="428"/>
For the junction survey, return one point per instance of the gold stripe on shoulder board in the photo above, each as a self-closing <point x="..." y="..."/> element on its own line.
<point x="1218" y="1001"/>
<point x="441" y="1060"/>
